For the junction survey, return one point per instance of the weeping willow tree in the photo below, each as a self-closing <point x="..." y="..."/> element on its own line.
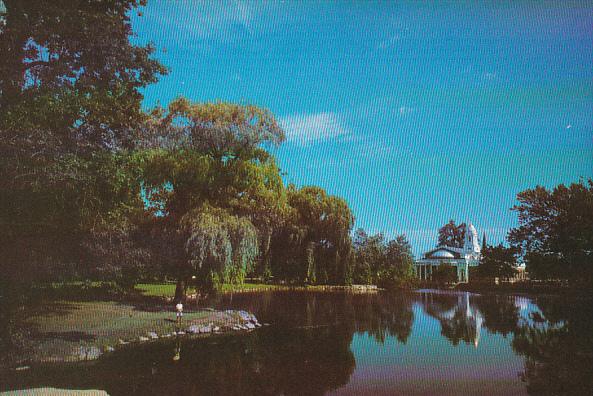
<point x="222" y="248"/>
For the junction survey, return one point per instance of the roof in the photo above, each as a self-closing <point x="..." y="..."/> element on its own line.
<point x="441" y="252"/>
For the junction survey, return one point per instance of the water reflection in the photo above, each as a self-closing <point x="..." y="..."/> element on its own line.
<point x="309" y="348"/>
<point x="557" y="342"/>
<point x="460" y="320"/>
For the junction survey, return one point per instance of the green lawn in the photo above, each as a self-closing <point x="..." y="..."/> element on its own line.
<point x="168" y="289"/>
<point x="157" y="289"/>
<point x="59" y="329"/>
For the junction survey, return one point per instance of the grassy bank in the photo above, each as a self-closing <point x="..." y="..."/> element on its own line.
<point x="73" y="331"/>
<point x="167" y="290"/>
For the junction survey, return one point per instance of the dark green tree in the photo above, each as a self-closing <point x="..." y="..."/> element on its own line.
<point x="211" y="154"/>
<point x="555" y="232"/>
<point x="69" y="68"/>
<point x="498" y="261"/>
<point x="451" y="234"/>
<point x="444" y="274"/>
<point x="70" y="82"/>
<point x="314" y="245"/>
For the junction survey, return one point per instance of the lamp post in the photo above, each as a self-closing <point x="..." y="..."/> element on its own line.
<point x="179" y="308"/>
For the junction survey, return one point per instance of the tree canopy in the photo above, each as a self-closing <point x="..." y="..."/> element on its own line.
<point x="498" y="261"/>
<point x="452" y="235"/>
<point x="555" y="232"/>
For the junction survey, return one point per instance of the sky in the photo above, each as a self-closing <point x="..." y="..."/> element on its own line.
<point x="414" y="112"/>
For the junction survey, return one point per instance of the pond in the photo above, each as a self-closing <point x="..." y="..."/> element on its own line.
<point x="425" y="342"/>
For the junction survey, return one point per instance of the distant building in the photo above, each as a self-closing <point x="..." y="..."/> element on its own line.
<point x="459" y="258"/>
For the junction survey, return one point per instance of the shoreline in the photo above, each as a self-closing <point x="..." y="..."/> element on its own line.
<point x="71" y="332"/>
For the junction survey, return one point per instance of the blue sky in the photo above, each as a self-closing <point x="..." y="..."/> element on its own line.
<point x="414" y="112"/>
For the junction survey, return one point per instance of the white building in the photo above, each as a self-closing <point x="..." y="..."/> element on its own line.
<point x="459" y="258"/>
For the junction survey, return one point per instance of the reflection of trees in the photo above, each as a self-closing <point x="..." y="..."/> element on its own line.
<point x="306" y="350"/>
<point x="459" y="320"/>
<point x="299" y="361"/>
<point x="380" y="314"/>
<point x="501" y="313"/>
<point x="558" y="348"/>
<point x="383" y="315"/>
<point x="462" y="315"/>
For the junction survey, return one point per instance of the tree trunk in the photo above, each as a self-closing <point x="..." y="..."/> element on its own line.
<point x="180" y="291"/>
<point x="12" y="49"/>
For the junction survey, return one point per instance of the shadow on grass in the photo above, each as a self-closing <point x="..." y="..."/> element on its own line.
<point x="72" y="336"/>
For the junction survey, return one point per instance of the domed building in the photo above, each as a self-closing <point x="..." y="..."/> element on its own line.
<point x="459" y="258"/>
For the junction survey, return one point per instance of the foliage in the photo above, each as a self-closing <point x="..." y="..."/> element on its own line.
<point x="70" y="96"/>
<point x="444" y="273"/>
<point x="388" y="264"/>
<point x="221" y="247"/>
<point x="70" y="69"/>
<point x="313" y="245"/>
<point x="452" y="235"/>
<point x="50" y="213"/>
<point x="558" y="348"/>
<point x="498" y="261"/>
<point x="555" y="233"/>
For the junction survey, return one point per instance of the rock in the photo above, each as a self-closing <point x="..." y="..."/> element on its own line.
<point x="109" y="348"/>
<point x="142" y="338"/>
<point x="153" y="335"/>
<point x="55" y="392"/>
<point x="22" y="368"/>
<point x="258" y="324"/>
<point x="88" y="353"/>
<point x="181" y="332"/>
<point x="250" y="325"/>
<point x="193" y="329"/>
<point x="122" y="342"/>
<point x="216" y="329"/>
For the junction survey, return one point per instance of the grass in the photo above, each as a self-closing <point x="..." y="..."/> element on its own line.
<point x="58" y="330"/>
<point x="156" y="289"/>
<point x="168" y="289"/>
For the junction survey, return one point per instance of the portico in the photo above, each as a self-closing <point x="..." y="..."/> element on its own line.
<point x="459" y="258"/>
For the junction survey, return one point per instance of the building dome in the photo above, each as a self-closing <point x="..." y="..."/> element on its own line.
<point x="471" y="244"/>
<point x="442" y="254"/>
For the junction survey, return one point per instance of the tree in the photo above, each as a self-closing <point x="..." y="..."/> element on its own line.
<point x="70" y="83"/>
<point x="452" y="235"/>
<point x="498" y="261"/>
<point x="211" y="154"/>
<point x="399" y="261"/>
<point x="69" y="68"/>
<point x="222" y="247"/>
<point x="555" y="233"/>
<point x="370" y="257"/>
<point x="314" y="244"/>
<point x="378" y="261"/>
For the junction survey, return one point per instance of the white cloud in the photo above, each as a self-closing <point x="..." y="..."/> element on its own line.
<point x="404" y="110"/>
<point x="198" y="23"/>
<point x="389" y="42"/>
<point x="307" y="129"/>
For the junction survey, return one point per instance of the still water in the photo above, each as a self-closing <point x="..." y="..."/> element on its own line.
<point x="424" y="343"/>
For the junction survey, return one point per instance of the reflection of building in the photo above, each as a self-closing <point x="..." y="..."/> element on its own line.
<point x="459" y="320"/>
<point x="459" y="258"/>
